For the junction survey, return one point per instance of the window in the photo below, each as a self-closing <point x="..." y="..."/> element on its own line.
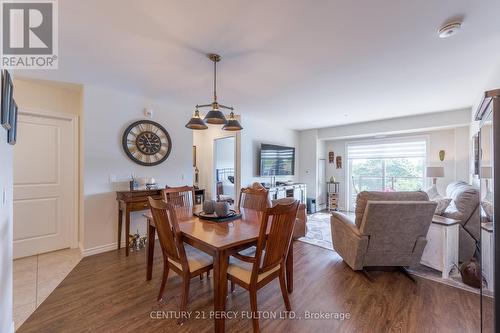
<point x="386" y="165"/>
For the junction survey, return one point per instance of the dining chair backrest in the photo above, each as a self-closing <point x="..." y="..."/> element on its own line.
<point x="182" y="196"/>
<point x="169" y="233"/>
<point x="254" y="198"/>
<point x="276" y="242"/>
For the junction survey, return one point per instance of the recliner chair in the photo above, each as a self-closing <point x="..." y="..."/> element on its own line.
<point x="389" y="230"/>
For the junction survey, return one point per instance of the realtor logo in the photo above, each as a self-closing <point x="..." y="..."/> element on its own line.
<point x="29" y="34"/>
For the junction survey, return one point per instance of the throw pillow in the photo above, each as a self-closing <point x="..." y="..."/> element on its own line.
<point x="433" y="193"/>
<point x="442" y="204"/>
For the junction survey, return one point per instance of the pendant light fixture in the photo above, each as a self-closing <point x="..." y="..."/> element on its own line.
<point x="232" y="123"/>
<point x="214" y="116"/>
<point x="196" y="123"/>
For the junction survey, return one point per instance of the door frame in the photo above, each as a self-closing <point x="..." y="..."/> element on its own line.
<point x="237" y="163"/>
<point x="74" y="121"/>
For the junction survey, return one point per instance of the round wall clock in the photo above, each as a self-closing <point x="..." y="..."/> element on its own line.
<point x="146" y="142"/>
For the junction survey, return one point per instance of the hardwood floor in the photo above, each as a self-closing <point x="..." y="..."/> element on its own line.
<point x="109" y="293"/>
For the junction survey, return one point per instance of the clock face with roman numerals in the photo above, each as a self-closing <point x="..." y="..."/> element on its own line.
<point x="146" y="142"/>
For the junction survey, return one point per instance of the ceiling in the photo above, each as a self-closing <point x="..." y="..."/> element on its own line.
<point x="303" y="64"/>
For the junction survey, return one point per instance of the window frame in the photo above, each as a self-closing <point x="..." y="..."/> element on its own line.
<point x="392" y="139"/>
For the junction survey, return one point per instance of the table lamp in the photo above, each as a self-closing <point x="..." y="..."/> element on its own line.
<point x="487" y="173"/>
<point x="434" y="172"/>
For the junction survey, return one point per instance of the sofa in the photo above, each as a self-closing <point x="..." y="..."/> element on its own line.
<point x="465" y="208"/>
<point x="389" y="229"/>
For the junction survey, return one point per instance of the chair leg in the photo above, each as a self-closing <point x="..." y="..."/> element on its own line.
<point x="253" y="307"/>
<point x="284" y="291"/>
<point x="208" y="274"/>
<point x="184" y="297"/>
<point x="232" y="286"/>
<point x="201" y="277"/>
<point x="164" y="279"/>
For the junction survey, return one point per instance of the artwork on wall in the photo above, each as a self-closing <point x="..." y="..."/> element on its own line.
<point x="338" y="161"/>
<point x="194" y="156"/>
<point x="475" y="151"/>
<point x="331" y="157"/>
<point x="442" y="154"/>
<point x="12" y="132"/>
<point x="7" y="93"/>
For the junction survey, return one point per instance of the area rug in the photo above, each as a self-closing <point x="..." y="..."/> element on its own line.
<point x="319" y="232"/>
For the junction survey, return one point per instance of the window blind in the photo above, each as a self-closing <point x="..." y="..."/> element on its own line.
<point x="387" y="149"/>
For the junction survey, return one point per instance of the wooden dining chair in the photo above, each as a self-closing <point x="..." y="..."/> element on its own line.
<point x="269" y="262"/>
<point x="182" y="196"/>
<point x="183" y="259"/>
<point x="254" y="198"/>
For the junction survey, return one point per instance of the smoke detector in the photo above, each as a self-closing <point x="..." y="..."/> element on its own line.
<point x="449" y="29"/>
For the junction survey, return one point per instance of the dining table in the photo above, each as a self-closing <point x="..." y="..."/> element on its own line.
<point x="220" y="240"/>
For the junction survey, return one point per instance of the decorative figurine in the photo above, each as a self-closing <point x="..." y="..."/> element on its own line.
<point x="331" y="157"/>
<point x="441" y="155"/>
<point x="339" y="162"/>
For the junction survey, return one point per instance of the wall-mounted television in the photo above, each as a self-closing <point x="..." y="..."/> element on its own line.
<point x="277" y="160"/>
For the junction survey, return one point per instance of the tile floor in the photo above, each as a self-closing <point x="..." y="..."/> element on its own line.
<point x="36" y="277"/>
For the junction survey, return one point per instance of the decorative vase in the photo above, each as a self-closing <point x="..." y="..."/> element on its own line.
<point x="221" y="209"/>
<point x="209" y="206"/>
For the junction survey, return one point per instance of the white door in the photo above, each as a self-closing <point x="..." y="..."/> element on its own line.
<point x="44" y="183"/>
<point x="321" y="183"/>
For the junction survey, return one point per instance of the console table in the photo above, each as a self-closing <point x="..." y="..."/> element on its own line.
<point x="441" y="251"/>
<point x="132" y="201"/>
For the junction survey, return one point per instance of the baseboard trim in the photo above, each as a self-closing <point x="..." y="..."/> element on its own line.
<point x="100" y="249"/>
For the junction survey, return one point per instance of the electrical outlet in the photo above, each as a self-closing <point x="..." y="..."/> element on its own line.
<point x="112" y="178"/>
<point x="182" y="176"/>
<point x="4" y="196"/>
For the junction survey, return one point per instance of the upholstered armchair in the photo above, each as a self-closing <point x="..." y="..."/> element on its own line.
<point x="389" y="229"/>
<point x="465" y="208"/>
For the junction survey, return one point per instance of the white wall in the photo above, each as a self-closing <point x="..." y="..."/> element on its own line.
<point x="107" y="113"/>
<point x="422" y="122"/>
<point x="308" y="161"/>
<point x="453" y="141"/>
<point x="6" y="233"/>
<point x="260" y="130"/>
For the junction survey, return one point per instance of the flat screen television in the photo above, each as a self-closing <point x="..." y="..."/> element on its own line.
<point x="277" y="160"/>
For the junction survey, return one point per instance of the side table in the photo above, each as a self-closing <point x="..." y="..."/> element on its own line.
<point x="441" y="251"/>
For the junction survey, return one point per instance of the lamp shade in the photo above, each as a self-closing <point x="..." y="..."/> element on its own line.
<point x="196" y="123"/>
<point x="435" y="172"/>
<point x="215" y="117"/>
<point x="232" y="124"/>
<point x="486" y="172"/>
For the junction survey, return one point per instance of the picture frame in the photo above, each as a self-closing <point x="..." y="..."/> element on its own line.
<point x="194" y="156"/>
<point x="7" y="99"/>
<point x="12" y="132"/>
<point x="475" y="152"/>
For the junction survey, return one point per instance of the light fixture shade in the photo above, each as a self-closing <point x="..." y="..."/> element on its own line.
<point x="196" y="123"/>
<point x="232" y="124"/>
<point x="215" y="117"/>
<point x="435" y="172"/>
